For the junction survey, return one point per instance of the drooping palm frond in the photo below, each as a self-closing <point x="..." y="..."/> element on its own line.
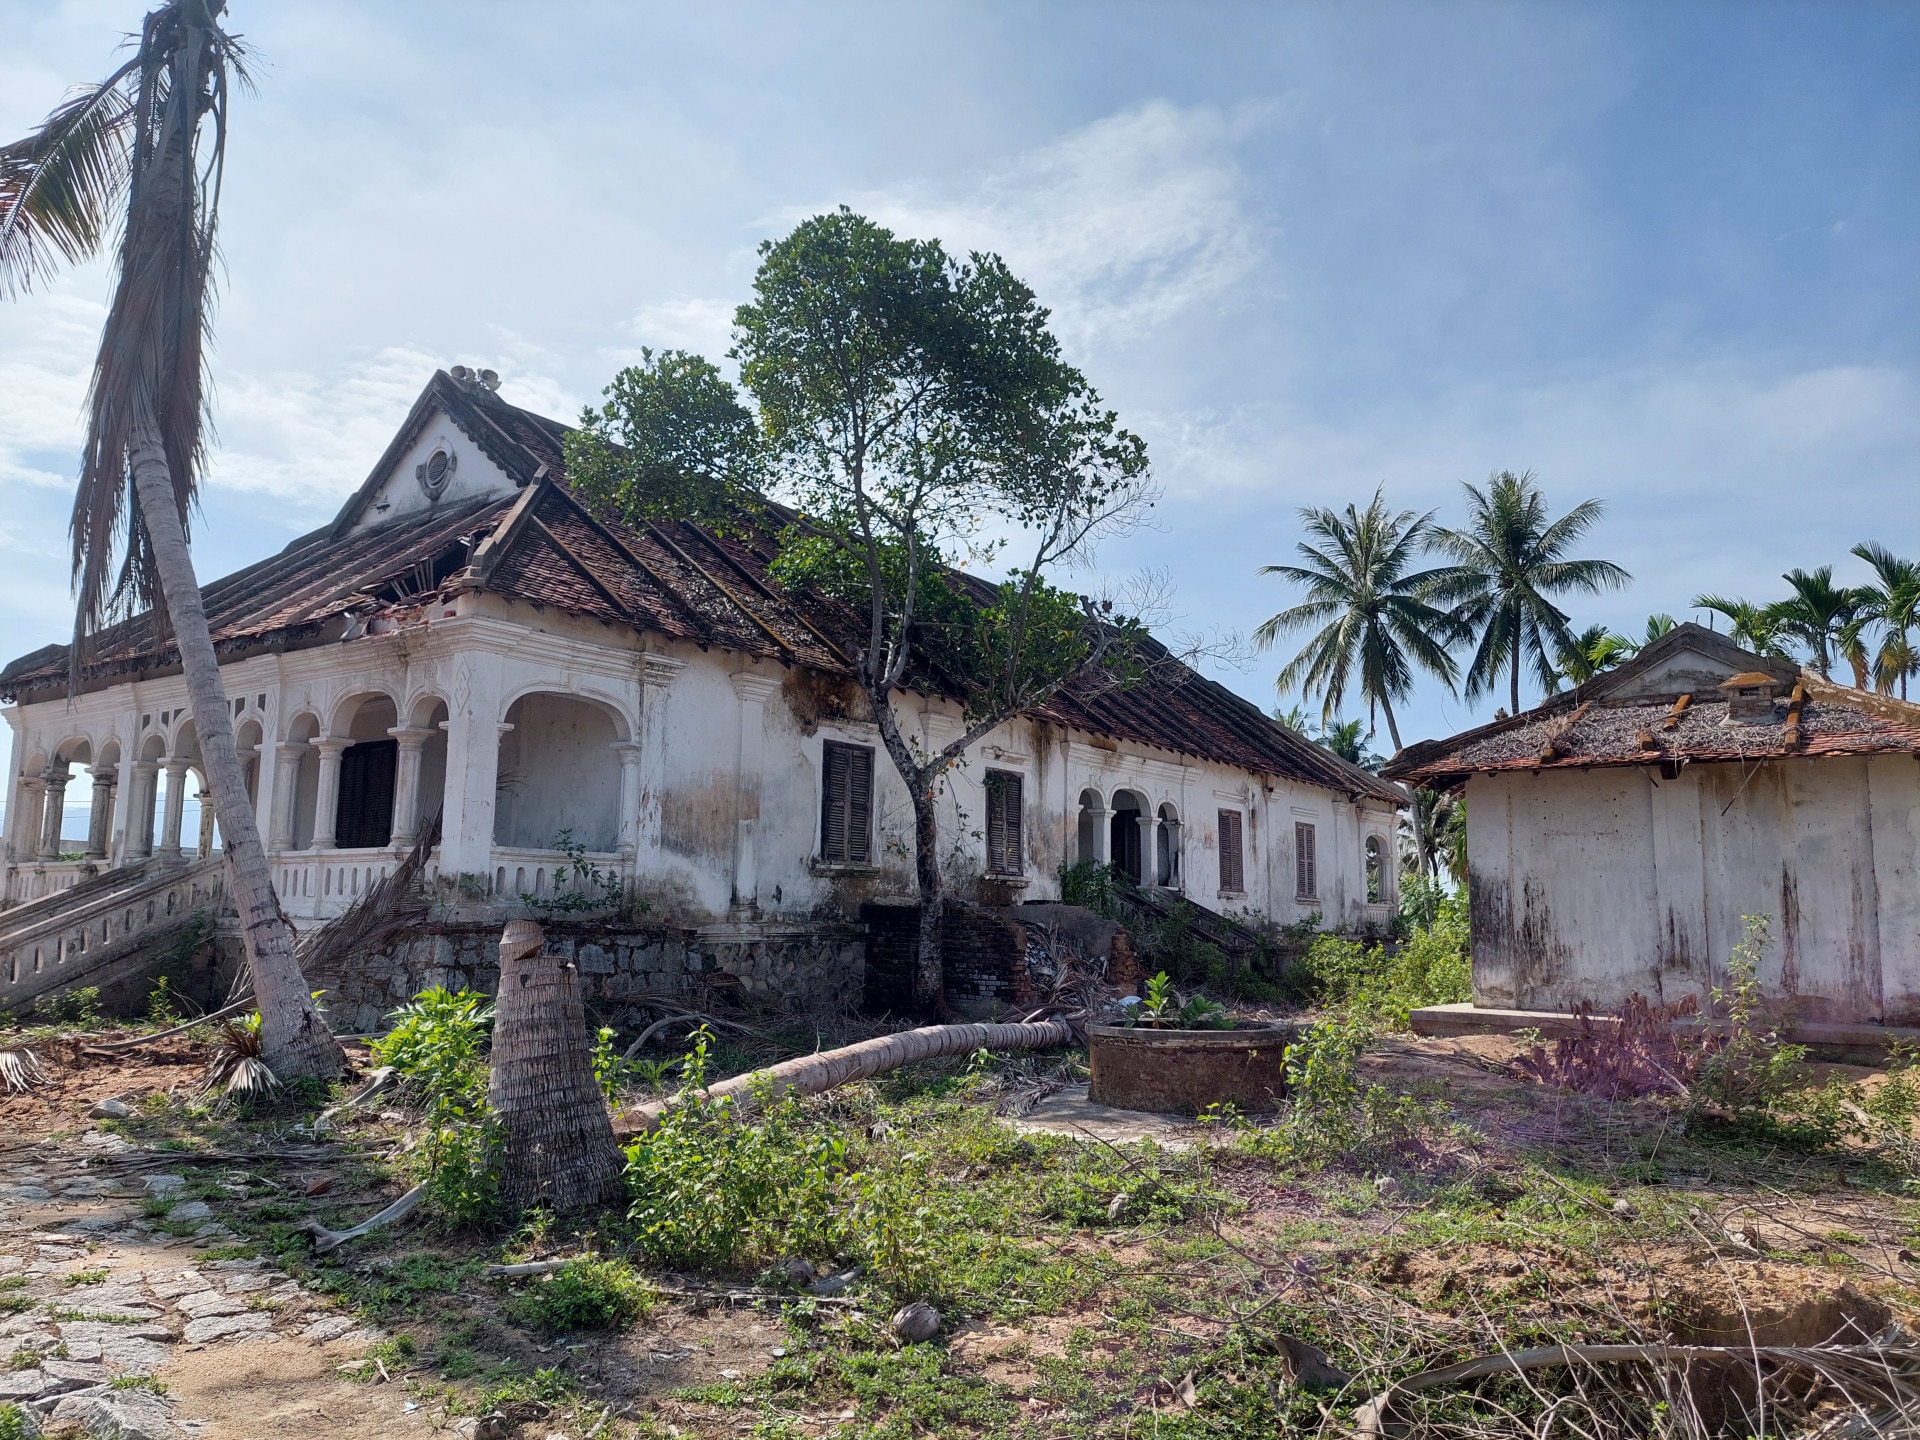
<point x="236" y="1063"/>
<point x="20" y="1069"/>
<point x="61" y="186"/>
<point x="154" y="137"/>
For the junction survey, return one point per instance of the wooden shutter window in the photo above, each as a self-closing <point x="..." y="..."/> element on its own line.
<point x="1005" y="855"/>
<point x="1305" y="874"/>
<point x="1233" y="870"/>
<point x="363" y="814"/>
<point x="846" y="804"/>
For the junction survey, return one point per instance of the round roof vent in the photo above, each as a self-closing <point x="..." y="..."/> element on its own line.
<point x="436" y="471"/>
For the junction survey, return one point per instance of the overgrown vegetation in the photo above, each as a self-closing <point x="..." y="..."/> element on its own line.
<point x="436" y="1044"/>
<point x="1389" y="982"/>
<point x="585" y="1294"/>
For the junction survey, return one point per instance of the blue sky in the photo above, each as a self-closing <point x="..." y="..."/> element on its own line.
<point x="1667" y="255"/>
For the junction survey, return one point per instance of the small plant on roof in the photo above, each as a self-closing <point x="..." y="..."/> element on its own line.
<point x="1163" y="1009"/>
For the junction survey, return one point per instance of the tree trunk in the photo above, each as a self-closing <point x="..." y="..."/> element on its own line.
<point x="814" y="1074"/>
<point x="1393" y="728"/>
<point x="929" y="966"/>
<point x="1516" y="675"/>
<point x="294" y="1039"/>
<point x="559" y="1148"/>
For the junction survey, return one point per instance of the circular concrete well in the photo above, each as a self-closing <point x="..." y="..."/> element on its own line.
<point x="1185" y="1071"/>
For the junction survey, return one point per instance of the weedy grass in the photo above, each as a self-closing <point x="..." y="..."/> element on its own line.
<point x="586" y="1294"/>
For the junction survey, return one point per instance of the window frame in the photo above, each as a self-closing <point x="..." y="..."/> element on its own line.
<point x="997" y="785"/>
<point x="1232" y="822"/>
<point x="854" y="762"/>
<point x="1306" y="860"/>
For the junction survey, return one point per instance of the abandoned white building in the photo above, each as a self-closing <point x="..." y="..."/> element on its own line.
<point x="1618" y="834"/>
<point x="466" y="639"/>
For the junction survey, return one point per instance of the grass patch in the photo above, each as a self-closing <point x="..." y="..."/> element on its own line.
<point x="583" y="1295"/>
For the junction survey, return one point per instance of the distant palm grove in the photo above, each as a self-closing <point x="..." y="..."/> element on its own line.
<point x="1377" y="615"/>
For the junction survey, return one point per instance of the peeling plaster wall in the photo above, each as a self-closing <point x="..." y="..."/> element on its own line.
<point x="1589" y="887"/>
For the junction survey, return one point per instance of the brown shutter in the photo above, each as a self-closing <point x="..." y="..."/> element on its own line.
<point x="1004" y="808"/>
<point x="1233" y="874"/>
<point x="1306" y="878"/>
<point x="859" y="804"/>
<point x="846" y="804"/>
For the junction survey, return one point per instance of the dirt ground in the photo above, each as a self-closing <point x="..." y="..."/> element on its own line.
<point x="120" y="1264"/>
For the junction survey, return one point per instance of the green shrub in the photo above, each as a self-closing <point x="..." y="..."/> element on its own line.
<point x="585" y="1294"/>
<point x="15" y="1423"/>
<point x="1430" y="967"/>
<point x="79" y="1006"/>
<point x="1330" y="1115"/>
<point x="435" y="1045"/>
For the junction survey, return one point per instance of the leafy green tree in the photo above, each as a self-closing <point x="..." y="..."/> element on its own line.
<point x="139" y="158"/>
<point x="1597" y="649"/>
<point x="914" y="410"/>
<point x="1892" y="603"/>
<point x="1376" y="625"/>
<point x="1511" y="560"/>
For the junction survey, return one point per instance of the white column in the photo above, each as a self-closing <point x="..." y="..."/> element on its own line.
<point x="1102" y="836"/>
<point x="205" y="846"/>
<point x="283" y="787"/>
<point x="753" y="691"/>
<point x="125" y="788"/>
<point x="53" y="812"/>
<point x="140" y="813"/>
<point x="176" y="811"/>
<point x="16" y="792"/>
<point x="326" y="800"/>
<point x="100" y="817"/>
<point x="473" y="768"/>
<point x="406" y="784"/>
<point x="657" y="674"/>
<point x="629" y="752"/>
<point x="28" y="829"/>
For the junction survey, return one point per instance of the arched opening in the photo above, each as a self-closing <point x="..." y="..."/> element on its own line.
<point x="143" y="814"/>
<point x="558" y="772"/>
<point x="1087" y="840"/>
<point x="106" y="785"/>
<point x="1376" y="871"/>
<point x="66" y="802"/>
<point x="1124" y="844"/>
<point x="363" y="804"/>
<point x="429" y="716"/>
<point x="301" y="776"/>
<point x="1166" y="846"/>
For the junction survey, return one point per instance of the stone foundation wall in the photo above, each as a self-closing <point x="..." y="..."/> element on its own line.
<point x="792" y="967"/>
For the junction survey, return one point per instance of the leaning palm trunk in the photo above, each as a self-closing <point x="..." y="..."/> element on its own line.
<point x="813" y="1074"/>
<point x="294" y="1039"/>
<point x="558" y="1149"/>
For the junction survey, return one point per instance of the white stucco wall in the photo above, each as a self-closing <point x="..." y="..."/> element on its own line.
<point x="697" y="774"/>
<point x="1589" y="887"/>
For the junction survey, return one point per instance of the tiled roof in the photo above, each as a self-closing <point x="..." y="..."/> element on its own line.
<point x="677" y="579"/>
<point x="1614" y="722"/>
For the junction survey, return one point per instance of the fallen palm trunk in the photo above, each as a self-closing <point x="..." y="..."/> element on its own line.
<point x="1889" y="1373"/>
<point x="814" y="1074"/>
<point x="808" y="1075"/>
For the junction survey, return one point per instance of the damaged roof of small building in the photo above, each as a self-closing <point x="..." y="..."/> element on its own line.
<point x="1655" y="710"/>
<point x="541" y="546"/>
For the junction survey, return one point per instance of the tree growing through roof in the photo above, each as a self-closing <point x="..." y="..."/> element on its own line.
<point x="142" y="154"/>
<point x="1376" y="625"/>
<point x="1511" y="560"/>
<point x="916" y="411"/>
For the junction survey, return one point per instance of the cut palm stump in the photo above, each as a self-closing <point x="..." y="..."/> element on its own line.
<point x="558" y="1148"/>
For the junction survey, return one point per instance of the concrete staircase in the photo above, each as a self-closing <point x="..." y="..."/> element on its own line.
<point x="106" y="930"/>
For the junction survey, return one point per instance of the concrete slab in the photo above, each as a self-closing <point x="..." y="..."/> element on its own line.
<point x="1069" y="1112"/>
<point x="1829" y="1040"/>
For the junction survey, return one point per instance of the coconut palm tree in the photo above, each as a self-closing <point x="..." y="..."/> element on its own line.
<point x="1758" y="627"/>
<point x="1512" y="560"/>
<point x="1426" y="823"/>
<point x="1892" y="603"/>
<point x="1371" y="606"/>
<point x="142" y="154"/>
<point x="1586" y="653"/>
<point x="1819" y="615"/>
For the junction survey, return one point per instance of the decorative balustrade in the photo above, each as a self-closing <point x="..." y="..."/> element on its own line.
<point x="29" y="880"/>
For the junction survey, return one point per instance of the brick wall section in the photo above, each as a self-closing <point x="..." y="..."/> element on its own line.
<point x="985" y="951"/>
<point x="791" y="968"/>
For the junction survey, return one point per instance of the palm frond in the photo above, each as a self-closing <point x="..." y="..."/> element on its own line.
<point x="236" y="1063"/>
<point x="21" y="1070"/>
<point x="61" y="187"/>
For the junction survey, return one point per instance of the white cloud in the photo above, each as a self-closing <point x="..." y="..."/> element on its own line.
<point x="704" y="326"/>
<point x="1120" y="226"/>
